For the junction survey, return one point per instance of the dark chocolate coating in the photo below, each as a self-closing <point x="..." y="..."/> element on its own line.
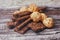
<point x="11" y="25"/>
<point x="17" y="15"/>
<point x="36" y="26"/>
<point x="23" y="30"/>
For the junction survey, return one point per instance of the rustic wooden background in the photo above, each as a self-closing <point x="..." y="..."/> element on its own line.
<point x="47" y="34"/>
<point x="7" y="7"/>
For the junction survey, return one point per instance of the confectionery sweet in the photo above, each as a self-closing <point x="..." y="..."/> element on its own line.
<point x="36" y="26"/>
<point x="30" y="18"/>
<point x="35" y="16"/>
<point x="43" y="16"/>
<point x="48" y="22"/>
<point x="33" y="8"/>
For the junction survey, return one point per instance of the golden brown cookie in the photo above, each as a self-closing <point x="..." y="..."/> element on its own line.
<point x="33" y="8"/>
<point x="48" y="22"/>
<point x="35" y="16"/>
<point x="43" y="16"/>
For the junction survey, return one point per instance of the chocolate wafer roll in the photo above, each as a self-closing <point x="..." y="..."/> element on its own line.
<point x="11" y="25"/>
<point x="13" y="19"/>
<point x="41" y="9"/>
<point x="15" y="22"/>
<point x="21" y="18"/>
<point x="23" y="30"/>
<point x="19" y="14"/>
<point x="22" y="24"/>
<point x="24" y="17"/>
<point x="36" y="27"/>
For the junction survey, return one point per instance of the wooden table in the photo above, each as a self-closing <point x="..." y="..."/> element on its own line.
<point x="47" y="34"/>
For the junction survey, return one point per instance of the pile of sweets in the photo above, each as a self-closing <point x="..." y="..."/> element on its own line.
<point x="30" y="17"/>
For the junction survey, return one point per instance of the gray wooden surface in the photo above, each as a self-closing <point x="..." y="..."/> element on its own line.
<point x="47" y="34"/>
<point x="18" y="3"/>
<point x="7" y="7"/>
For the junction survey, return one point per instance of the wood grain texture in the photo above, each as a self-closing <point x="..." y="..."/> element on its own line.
<point x="6" y="15"/>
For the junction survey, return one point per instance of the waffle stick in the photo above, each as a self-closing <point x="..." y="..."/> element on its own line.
<point x="41" y="9"/>
<point x="21" y="18"/>
<point x="23" y="30"/>
<point x="19" y="27"/>
<point x="20" y="14"/>
<point x="24" y="17"/>
<point x="13" y="19"/>
<point x="11" y="25"/>
<point x="18" y="21"/>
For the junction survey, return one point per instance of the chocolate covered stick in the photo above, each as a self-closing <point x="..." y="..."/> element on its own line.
<point x="22" y="24"/>
<point x="16" y="22"/>
<point x="25" y="13"/>
<point x="21" y="18"/>
<point x="41" y="9"/>
<point x="23" y="30"/>
<point x="24" y="17"/>
<point x="11" y="25"/>
<point x="13" y="19"/>
<point x="19" y="14"/>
